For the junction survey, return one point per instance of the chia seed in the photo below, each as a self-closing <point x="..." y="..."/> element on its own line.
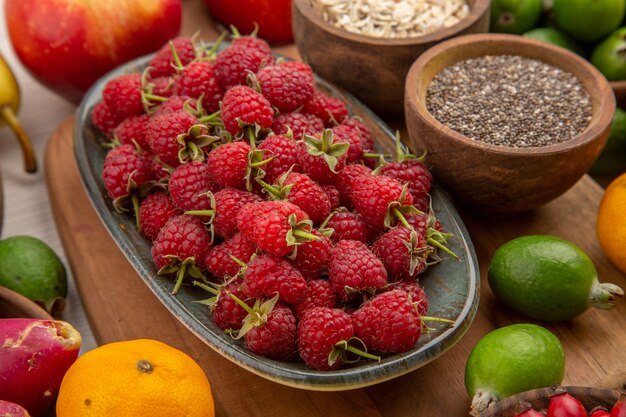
<point x="509" y="100"/>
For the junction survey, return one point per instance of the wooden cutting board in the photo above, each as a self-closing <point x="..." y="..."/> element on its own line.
<point x="120" y="307"/>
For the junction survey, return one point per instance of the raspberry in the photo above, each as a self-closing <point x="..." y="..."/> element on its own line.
<point x="154" y="211"/>
<point x="312" y="256"/>
<point x="329" y="109"/>
<point x="132" y="130"/>
<point x="160" y="86"/>
<point x="322" y="156"/>
<point x="367" y="140"/>
<point x="411" y="172"/>
<point x="377" y="199"/>
<point x="267" y="276"/>
<point x="123" y="95"/>
<point x="348" y="226"/>
<point x="124" y="172"/>
<point x="319" y="332"/>
<point x="353" y="268"/>
<point x="233" y="63"/>
<point x="343" y="182"/>
<point x="180" y="247"/>
<point x="243" y="105"/>
<point x="333" y="195"/>
<point x="228" y="202"/>
<point x="298" y="123"/>
<point x="226" y="313"/>
<point x="276" y="338"/>
<point x="219" y="262"/>
<point x="198" y="79"/>
<point x="284" y="152"/>
<point x="403" y="252"/>
<point x="276" y="227"/>
<point x="228" y="164"/>
<point x="286" y="87"/>
<point x="416" y="294"/>
<point x="351" y="136"/>
<point x="388" y="323"/>
<point x="163" y="63"/>
<point x="319" y="293"/>
<point x="165" y="132"/>
<point x="189" y="184"/>
<point x="306" y="194"/>
<point x="105" y="119"/>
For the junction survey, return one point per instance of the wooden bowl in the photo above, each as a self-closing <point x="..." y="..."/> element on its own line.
<point x="590" y="397"/>
<point x="14" y="305"/>
<point x="373" y="69"/>
<point x="498" y="179"/>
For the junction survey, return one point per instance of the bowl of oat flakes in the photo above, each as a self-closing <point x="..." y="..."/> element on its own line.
<point x="510" y="123"/>
<point x="368" y="46"/>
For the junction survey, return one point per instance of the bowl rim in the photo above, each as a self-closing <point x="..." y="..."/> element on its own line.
<point x="477" y="11"/>
<point x="601" y="118"/>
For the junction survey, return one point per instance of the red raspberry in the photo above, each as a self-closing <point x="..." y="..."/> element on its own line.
<point x="158" y="171"/>
<point x="132" y="130"/>
<point x="124" y="172"/>
<point x="198" y="79"/>
<point x="353" y="268"/>
<point x="123" y="95"/>
<point x="164" y="133"/>
<point x="189" y="184"/>
<point x="343" y="182"/>
<point x="322" y="156"/>
<point x="284" y="152"/>
<point x="375" y="198"/>
<point x="163" y="63"/>
<point x="286" y="87"/>
<point x="160" y="86"/>
<point x="228" y="202"/>
<point x="388" y="323"/>
<point x="254" y="220"/>
<point x="319" y="293"/>
<point x="226" y="313"/>
<point x="154" y="211"/>
<point x="419" y="221"/>
<point x="229" y="164"/>
<point x="416" y="294"/>
<point x="306" y="194"/>
<point x="330" y="109"/>
<point x="220" y="264"/>
<point x="333" y="195"/>
<point x="175" y="104"/>
<point x="180" y="247"/>
<point x="348" y="226"/>
<point x="276" y="338"/>
<point x="319" y="332"/>
<point x="350" y="135"/>
<point x="403" y="251"/>
<point x="267" y="276"/>
<point x="298" y="123"/>
<point x="242" y="104"/>
<point x="312" y="256"/>
<point x="411" y="172"/>
<point x="234" y="63"/>
<point x="251" y="42"/>
<point x="105" y="119"/>
<point x="367" y="140"/>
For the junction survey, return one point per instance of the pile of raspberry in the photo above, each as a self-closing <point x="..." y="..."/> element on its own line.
<point x="260" y="188"/>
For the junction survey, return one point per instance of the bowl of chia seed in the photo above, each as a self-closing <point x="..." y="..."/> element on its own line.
<point x="367" y="46"/>
<point x="509" y="123"/>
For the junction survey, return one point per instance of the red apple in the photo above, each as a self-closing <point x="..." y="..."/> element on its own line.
<point x="273" y="17"/>
<point x="68" y="44"/>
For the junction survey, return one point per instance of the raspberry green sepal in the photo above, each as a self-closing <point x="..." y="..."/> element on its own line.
<point x="397" y="209"/>
<point x="326" y="148"/>
<point x="300" y="231"/>
<point x="343" y="347"/>
<point x="207" y="213"/>
<point x="257" y="314"/>
<point x="212" y="290"/>
<point x="182" y="268"/>
<point x="277" y="191"/>
<point x="209" y="54"/>
<point x="417" y="253"/>
<point x="255" y="166"/>
<point x="603" y="295"/>
<point x="192" y="142"/>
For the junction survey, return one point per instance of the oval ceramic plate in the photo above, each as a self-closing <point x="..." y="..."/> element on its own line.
<point x="452" y="286"/>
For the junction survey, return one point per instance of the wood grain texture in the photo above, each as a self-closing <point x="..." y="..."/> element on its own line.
<point x="121" y="307"/>
<point x="499" y="179"/>
<point x="373" y="69"/>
